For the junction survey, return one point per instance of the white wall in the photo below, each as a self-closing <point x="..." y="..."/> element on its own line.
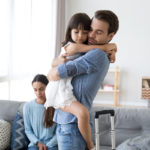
<point x="132" y="40"/>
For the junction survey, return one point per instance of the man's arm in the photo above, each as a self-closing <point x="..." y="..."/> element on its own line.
<point x="53" y="74"/>
<point x="59" y="60"/>
<point x="85" y="64"/>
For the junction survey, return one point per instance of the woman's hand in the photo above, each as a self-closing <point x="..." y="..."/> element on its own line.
<point x="42" y="146"/>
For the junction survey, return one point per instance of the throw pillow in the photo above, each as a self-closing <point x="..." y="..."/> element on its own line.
<point x="5" y="132"/>
<point x="19" y="140"/>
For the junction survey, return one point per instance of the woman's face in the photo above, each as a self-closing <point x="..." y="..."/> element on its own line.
<point x="39" y="90"/>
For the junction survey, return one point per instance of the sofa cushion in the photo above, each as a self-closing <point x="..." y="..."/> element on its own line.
<point x="19" y="139"/>
<point x="137" y="143"/>
<point x="12" y="106"/>
<point x="5" y="132"/>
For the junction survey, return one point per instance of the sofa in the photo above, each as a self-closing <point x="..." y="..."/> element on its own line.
<point x="132" y="128"/>
<point x="129" y="122"/>
<point x="8" y="112"/>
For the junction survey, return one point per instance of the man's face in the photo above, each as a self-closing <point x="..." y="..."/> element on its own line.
<point x="99" y="33"/>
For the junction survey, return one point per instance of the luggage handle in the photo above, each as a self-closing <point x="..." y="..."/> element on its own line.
<point x="102" y="112"/>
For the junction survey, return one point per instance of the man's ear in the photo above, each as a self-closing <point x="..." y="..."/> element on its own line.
<point x="111" y="35"/>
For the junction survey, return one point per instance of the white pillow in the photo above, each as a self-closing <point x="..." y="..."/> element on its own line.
<point x="5" y="133"/>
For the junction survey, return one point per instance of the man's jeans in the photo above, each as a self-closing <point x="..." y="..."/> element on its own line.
<point x="69" y="137"/>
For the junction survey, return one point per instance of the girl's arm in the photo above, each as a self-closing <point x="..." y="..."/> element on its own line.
<point x="110" y="49"/>
<point x="73" y="48"/>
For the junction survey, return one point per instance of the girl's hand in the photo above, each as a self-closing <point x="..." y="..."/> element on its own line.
<point x="110" y="47"/>
<point x="73" y="49"/>
<point x="112" y="56"/>
<point x="42" y="146"/>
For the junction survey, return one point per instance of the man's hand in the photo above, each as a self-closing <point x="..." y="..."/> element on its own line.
<point x="42" y="146"/>
<point x="53" y="74"/>
<point x="59" y="60"/>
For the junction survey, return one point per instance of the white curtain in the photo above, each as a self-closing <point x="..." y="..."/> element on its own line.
<point x="29" y="42"/>
<point x="59" y="24"/>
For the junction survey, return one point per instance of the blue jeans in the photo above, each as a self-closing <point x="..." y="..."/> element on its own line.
<point x="69" y="137"/>
<point x="36" y="148"/>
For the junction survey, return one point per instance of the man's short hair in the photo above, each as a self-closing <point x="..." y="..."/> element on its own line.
<point x="109" y="17"/>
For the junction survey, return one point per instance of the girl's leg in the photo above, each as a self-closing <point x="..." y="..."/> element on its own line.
<point x="82" y="114"/>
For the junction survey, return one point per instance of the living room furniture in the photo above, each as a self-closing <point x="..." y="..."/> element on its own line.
<point x="146" y="88"/>
<point x="9" y="111"/>
<point x="129" y="122"/>
<point x="111" y="85"/>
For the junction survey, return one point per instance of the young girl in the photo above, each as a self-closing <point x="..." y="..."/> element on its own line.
<point x="59" y="94"/>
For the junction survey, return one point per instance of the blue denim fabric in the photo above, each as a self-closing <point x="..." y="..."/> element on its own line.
<point x="88" y="73"/>
<point x="69" y="137"/>
<point x="36" y="148"/>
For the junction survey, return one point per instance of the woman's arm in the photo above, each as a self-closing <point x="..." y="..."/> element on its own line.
<point x="27" y="124"/>
<point x="52" y="142"/>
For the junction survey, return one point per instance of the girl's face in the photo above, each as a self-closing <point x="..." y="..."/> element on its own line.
<point x="79" y="36"/>
<point x="39" y="90"/>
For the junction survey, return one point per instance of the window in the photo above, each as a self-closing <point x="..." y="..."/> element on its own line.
<point x="26" y="47"/>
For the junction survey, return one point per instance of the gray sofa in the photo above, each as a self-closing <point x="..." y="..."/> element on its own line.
<point x="8" y="110"/>
<point x="129" y="122"/>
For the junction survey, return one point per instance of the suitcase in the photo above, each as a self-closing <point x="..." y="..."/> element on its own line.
<point x="97" y="134"/>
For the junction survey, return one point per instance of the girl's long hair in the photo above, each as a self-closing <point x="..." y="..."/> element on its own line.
<point x="48" y="117"/>
<point x="81" y="20"/>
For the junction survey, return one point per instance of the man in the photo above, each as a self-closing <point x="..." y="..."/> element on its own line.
<point x="88" y="73"/>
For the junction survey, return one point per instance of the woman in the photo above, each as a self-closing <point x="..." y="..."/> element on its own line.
<point x="39" y="126"/>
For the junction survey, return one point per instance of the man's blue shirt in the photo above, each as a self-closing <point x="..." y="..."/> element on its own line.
<point x="88" y="72"/>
